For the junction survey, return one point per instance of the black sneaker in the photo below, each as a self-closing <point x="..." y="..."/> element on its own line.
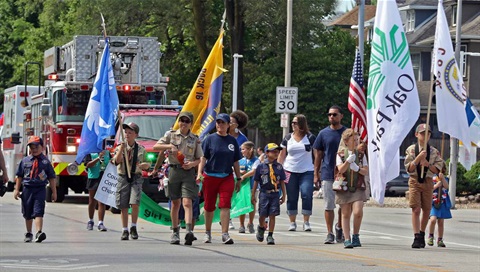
<point x="260" y="233"/>
<point x="422" y="239"/>
<point x="40" y="236"/>
<point x="28" y="237"/>
<point x="417" y="241"/>
<point x="124" y="235"/>
<point x="189" y="238"/>
<point x="134" y="233"/>
<point x="339" y="234"/>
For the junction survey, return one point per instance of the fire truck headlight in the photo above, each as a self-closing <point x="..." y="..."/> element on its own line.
<point x="71" y="148"/>
<point x="72" y="169"/>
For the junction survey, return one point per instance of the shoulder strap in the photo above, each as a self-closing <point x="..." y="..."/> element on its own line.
<point x="311" y="138"/>
<point x="419" y="170"/>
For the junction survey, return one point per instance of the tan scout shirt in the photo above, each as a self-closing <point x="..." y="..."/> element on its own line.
<point x="189" y="146"/>
<point x="435" y="159"/>
<point x="141" y="158"/>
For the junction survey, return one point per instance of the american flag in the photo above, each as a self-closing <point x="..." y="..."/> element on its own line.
<point x="356" y="99"/>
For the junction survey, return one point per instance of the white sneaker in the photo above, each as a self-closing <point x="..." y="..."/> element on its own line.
<point x="230" y="225"/>
<point x="207" y="239"/>
<point x="293" y="226"/>
<point x="306" y="226"/>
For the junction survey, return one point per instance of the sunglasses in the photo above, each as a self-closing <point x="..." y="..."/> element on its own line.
<point x="294" y="123"/>
<point x="186" y="121"/>
<point x="332" y="114"/>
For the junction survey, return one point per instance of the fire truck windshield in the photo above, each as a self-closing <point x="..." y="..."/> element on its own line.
<point x="151" y="127"/>
<point x="70" y="105"/>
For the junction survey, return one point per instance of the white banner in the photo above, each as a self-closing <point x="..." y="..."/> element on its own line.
<point x="108" y="186"/>
<point x="393" y="105"/>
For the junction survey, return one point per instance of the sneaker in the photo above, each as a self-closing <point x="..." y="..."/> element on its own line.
<point x="90" y="225"/>
<point x="189" y="238"/>
<point x="356" y="240"/>
<point x="347" y="244"/>
<point x="124" y="235"/>
<point x="440" y="243"/>
<point x="422" y="239"/>
<point x="101" y="227"/>
<point x="28" y="237"/>
<point x="134" y="233"/>
<point x="175" y="239"/>
<point x="226" y="239"/>
<point x="339" y="234"/>
<point x="260" y="233"/>
<point x="430" y="241"/>
<point x="230" y="225"/>
<point x="40" y="236"/>
<point x="416" y="241"/>
<point x="270" y="240"/>
<point x="207" y="238"/>
<point x="306" y="226"/>
<point x="293" y="226"/>
<point x="241" y="229"/>
<point x="251" y="228"/>
<point x="330" y="239"/>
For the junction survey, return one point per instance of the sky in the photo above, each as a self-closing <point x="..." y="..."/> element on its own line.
<point x="345" y="5"/>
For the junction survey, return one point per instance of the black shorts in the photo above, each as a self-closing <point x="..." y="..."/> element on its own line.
<point x="269" y="204"/>
<point x="92" y="183"/>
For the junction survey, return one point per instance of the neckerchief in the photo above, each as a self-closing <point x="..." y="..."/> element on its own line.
<point x="273" y="179"/>
<point x="419" y="170"/>
<point x="34" y="171"/>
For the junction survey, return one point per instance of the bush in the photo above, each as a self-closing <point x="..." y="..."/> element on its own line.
<point x="463" y="186"/>
<point x="473" y="178"/>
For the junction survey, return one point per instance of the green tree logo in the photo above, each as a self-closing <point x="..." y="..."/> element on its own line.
<point x="388" y="57"/>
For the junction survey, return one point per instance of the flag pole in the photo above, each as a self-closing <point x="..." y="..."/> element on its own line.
<point x="430" y="95"/>
<point x="120" y="121"/>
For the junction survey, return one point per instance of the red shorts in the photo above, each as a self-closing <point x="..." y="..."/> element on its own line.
<point x="212" y="187"/>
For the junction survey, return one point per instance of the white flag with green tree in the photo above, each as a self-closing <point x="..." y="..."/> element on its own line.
<point x="393" y="105"/>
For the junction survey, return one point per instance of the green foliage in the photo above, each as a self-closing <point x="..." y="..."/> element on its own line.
<point x="473" y="178"/>
<point x="464" y="185"/>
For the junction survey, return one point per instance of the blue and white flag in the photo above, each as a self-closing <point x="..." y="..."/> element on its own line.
<point x="473" y="119"/>
<point x="102" y="109"/>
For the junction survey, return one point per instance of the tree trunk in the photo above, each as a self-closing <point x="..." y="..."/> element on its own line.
<point x="198" y="7"/>
<point x="235" y="18"/>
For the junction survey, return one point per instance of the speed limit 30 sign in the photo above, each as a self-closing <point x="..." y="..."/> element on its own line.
<point x="286" y="100"/>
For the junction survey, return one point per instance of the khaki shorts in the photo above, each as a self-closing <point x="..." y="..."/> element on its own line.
<point x="128" y="193"/>
<point x="181" y="183"/>
<point x="420" y="194"/>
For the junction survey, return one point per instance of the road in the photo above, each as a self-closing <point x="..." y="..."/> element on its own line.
<point x="385" y="235"/>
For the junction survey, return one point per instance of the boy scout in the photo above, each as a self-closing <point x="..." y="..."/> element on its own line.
<point x="185" y="152"/>
<point x="129" y="191"/>
<point x="421" y="187"/>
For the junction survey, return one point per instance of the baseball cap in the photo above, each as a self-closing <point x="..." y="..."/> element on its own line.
<point x="132" y="126"/>
<point x="421" y="128"/>
<point x="35" y="140"/>
<point x="224" y="117"/>
<point x="271" y="147"/>
<point x="187" y="114"/>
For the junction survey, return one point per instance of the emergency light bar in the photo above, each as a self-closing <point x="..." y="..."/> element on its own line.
<point x="158" y="107"/>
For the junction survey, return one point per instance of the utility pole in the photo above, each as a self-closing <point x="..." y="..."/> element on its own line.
<point x="288" y="57"/>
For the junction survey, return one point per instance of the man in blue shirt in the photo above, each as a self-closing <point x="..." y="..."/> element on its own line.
<point x="34" y="172"/>
<point x="326" y="148"/>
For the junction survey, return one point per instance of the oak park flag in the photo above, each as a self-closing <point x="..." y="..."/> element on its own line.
<point x="393" y="104"/>
<point x="205" y="97"/>
<point x="102" y="109"/>
<point x="450" y="91"/>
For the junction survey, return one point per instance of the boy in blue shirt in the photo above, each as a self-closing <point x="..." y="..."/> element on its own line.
<point x="34" y="172"/>
<point x="270" y="175"/>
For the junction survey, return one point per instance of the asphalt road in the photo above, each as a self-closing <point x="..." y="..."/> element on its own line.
<point x="385" y="235"/>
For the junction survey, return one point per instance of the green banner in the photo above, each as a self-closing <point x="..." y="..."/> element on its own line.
<point x="152" y="212"/>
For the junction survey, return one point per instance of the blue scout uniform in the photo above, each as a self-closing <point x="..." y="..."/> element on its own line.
<point x="35" y="174"/>
<point x="268" y="176"/>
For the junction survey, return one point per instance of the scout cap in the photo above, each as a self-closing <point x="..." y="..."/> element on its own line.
<point x="35" y="140"/>
<point x="187" y="114"/>
<point x="224" y="117"/>
<point x="271" y="147"/>
<point x="132" y="126"/>
<point x="422" y="127"/>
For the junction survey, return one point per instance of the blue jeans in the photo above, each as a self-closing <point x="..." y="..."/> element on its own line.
<point x="300" y="183"/>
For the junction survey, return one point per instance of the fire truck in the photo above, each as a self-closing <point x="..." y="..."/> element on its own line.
<point x="57" y="114"/>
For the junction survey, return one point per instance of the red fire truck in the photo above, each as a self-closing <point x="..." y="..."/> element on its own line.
<point x="57" y="114"/>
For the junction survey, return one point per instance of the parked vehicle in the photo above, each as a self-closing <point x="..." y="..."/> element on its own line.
<point x="398" y="186"/>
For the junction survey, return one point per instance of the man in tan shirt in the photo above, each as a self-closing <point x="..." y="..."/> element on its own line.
<point x="421" y="188"/>
<point x="129" y="190"/>
<point x="185" y="152"/>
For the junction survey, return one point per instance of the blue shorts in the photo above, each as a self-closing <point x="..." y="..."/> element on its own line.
<point x="33" y="202"/>
<point x="268" y="204"/>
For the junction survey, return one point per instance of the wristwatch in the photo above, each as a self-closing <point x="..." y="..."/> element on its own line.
<point x="238" y="179"/>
